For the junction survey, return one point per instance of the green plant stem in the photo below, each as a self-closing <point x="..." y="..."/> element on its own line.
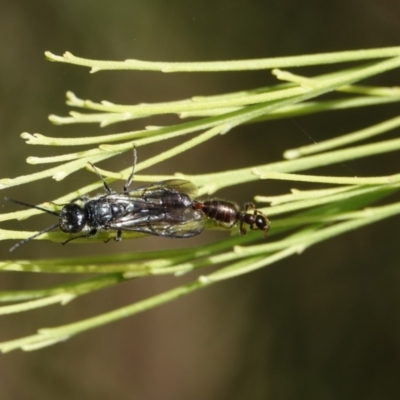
<point x="313" y="215"/>
<point x="362" y="134"/>
<point x="242" y="65"/>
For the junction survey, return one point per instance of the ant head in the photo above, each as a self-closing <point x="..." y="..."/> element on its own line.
<point x="72" y="218"/>
<point x="262" y="223"/>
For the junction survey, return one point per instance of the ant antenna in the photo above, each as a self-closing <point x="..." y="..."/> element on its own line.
<point x="50" y="228"/>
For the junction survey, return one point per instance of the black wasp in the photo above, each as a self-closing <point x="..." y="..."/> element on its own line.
<point x="162" y="209"/>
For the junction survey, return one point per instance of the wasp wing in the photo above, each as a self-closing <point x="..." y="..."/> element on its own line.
<point x="174" y="223"/>
<point x="159" y="189"/>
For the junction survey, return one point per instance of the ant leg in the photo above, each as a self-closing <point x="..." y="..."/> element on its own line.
<point x="105" y="184"/>
<point x="242" y="229"/>
<point x="130" y="177"/>
<point x="250" y="206"/>
<point x="266" y="229"/>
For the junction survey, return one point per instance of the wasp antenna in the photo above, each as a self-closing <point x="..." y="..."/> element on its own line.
<point x="22" y="203"/>
<point x="50" y="228"/>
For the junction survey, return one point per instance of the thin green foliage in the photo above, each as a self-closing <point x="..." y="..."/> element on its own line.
<point x="302" y="218"/>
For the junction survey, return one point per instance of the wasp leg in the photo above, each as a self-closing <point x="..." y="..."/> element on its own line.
<point x="91" y="233"/>
<point x="105" y="184"/>
<point x="118" y="237"/>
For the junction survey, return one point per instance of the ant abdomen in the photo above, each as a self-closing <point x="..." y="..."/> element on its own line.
<point x="223" y="212"/>
<point x="227" y="214"/>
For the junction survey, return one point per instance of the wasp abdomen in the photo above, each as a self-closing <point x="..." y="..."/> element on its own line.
<point x="176" y="200"/>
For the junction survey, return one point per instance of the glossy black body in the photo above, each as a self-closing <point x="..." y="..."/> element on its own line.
<point x="162" y="209"/>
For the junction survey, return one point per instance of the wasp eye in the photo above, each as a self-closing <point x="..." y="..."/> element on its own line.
<point x="72" y="218"/>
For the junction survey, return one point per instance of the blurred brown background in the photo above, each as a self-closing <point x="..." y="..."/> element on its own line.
<point x="322" y="325"/>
